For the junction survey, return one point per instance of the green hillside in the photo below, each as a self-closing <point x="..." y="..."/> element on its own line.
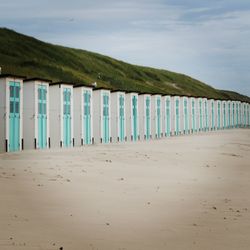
<point x="24" y="55"/>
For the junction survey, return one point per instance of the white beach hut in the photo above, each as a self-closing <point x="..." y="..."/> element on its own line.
<point x="212" y="111"/>
<point x="156" y="116"/>
<point x="118" y="116"/>
<point x="244" y="114"/>
<point x="193" y="114"/>
<point x="185" y="114"/>
<point x="36" y="132"/>
<point x="61" y="114"/>
<point x="166" y="104"/>
<point x="83" y="115"/>
<point x="11" y="113"/>
<point x="206" y="114"/>
<point x="145" y="116"/>
<point x="102" y="115"/>
<point x="132" y="116"/>
<point x="176" y="115"/>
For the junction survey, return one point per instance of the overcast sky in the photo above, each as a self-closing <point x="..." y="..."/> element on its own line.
<point x="206" y="39"/>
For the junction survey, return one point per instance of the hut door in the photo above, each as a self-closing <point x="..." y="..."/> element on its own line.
<point x="158" y="115"/>
<point x="237" y="115"/>
<point x="168" y="117"/>
<point x="229" y="116"/>
<point x="177" y="115"/>
<point x="67" y="117"/>
<point x="201" y="116"/>
<point x="121" y="118"/>
<point x="212" y="115"/>
<point x="245" y="116"/>
<point x="42" y="116"/>
<point x="224" y="115"/>
<point x="87" y="117"/>
<point x="233" y="116"/>
<point x="193" y="116"/>
<point x="147" y="118"/>
<point x="14" y="116"/>
<point x="218" y="120"/>
<point x="206" y="116"/>
<point x="185" y="116"/>
<point x="105" y="118"/>
<point x="134" y="118"/>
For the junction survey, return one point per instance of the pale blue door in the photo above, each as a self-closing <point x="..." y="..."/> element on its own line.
<point x="201" y="116"/>
<point x="106" y="136"/>
<point x="206" y="116"/>
<point x="67" y="117"/>
<point x="158" y="117"/>
<point x="245" y="116"/>
<point x="224" y="116"/>
<point x="147" y="118"/>
<point x="213" y="125"/>
<point x="134" y="118"/>
<point x="229" y="116"/>
<point x="185" y="117"/>
<point x="218" y="116"/>
<point x="237" y="116"/>
<point x="42" y="116"/>
<point x="87" y="116"/>
<point x="167" y="117"/>
<point x="121" y="118"/>
<point x="193" y="116"/>
<point x="14" y="116"/>
<point x="177" y="117"/>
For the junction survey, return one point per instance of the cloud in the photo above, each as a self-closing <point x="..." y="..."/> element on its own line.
<point x="208" y="40"/>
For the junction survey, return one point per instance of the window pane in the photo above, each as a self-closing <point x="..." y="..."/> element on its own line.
<point x="44" y="108"/>
<point x="17" y="107"/>
<point x="11" y="107"/>
<point x="11" y="91"/>
<point x="17" y="91"/>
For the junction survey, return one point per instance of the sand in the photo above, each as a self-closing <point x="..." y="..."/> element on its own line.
<point x="186" y="192"/>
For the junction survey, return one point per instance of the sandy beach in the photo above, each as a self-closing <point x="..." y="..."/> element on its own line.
<point x="186" y="192"/>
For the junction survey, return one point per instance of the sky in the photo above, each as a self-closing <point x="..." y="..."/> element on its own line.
<point x="206" y="39"/>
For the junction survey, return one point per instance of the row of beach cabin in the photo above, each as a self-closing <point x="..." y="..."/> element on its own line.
<point x="36" y="114"/>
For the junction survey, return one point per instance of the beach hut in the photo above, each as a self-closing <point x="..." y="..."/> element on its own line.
<point x="156" y="116"/>
<point x="102" y="115"/>
<point x="211" y="105"/>
<point x="83" y="115"/>
<point x="61" y="114"/>
<point x="166" y="115"/>
<point x="233" y="122"/>
<point x="218" y="114"/>
<point x="224" y="114"/>
<point x="244" y="115"/>
<point x="206" y="114"/>
<point x="145" y="116"/>
<point x="200" y="114"/>
<point x="132" y="116"/>
<point x="237" y="114"/>
<point x="176" y="115"/>
<point x="118" y="116"/>
<point x="193" y="112"/>
<point x="36" y="113"/>
<point x="11" y="113"/>
<point x="184" y="114"/>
